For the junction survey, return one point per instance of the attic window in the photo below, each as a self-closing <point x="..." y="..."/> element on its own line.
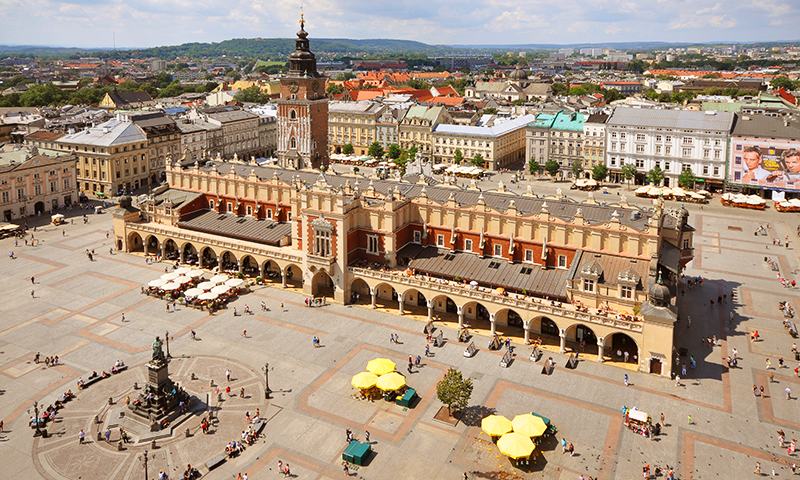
<point x="449" y="257"/>
<point x="526" y="271"/>
<point x="494" y="265"/>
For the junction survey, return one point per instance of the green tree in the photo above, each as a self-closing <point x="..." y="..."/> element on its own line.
<point x="251" y="94"/>
<point x="578" y="91"/>
<point x="519" y="102"/>
<point x="465" y="69"/>
<point x="686" y="179"/>
<point x="478" y="160"/>
<point x="334" y="89"/>
<point x="628" y="172"/>
<point x="454" y="390"/>
<point x="412" y="152"/>
<point x="655" y="176"/>
<point x="394" y="151"/>
<point x="173" y="90"/>
<point x="489" y="111"/>
<point x="343" y="77"/>
<point x="600" y="172"/>
<point x="577" y="168"/>
<point x="401" y="162"/>
<point x="375" y="150"/>
<point x="348" y="149"/>
<point x="559" y="88"/>
<point x="235" y="76"/>
<point x="779" y="82"/>
<point x="42" y="95"/>
<point x="552" y="168"/>
<point x="534" y="167"/>
<point x="458" y="157"/>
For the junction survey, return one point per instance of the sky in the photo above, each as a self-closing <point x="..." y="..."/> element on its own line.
<point x="148" y="23"/>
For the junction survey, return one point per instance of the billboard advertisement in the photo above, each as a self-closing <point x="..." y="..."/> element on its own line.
<point x="765" y="163"/>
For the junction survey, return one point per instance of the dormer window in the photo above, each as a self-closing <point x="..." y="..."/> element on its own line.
<point x="293" y="114"/>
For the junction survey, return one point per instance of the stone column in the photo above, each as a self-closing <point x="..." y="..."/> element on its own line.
<point x="527" y="326"/>
<point x="601" y="342"/>
<point x="199" y="260"/>
<point x="180" y="252"/>
<point x="240" y="264"/>
<point x="430" y="309"/>
<point x="374" y="296"/>
<point x="284" y="272"/>
<point x="562" y="334"/>
<point x="400" y="304"/>
<point x="460" y="310"/>
<point x="492" y="321"/>
<point x="163" y="250"/>
<point x="261" y="270"/>
<point x="219" y="263"/>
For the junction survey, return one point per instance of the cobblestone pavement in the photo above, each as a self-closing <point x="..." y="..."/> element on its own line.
<point x="77" y="313"/>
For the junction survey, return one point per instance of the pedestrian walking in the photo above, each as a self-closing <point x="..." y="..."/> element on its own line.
<point x="771" y="377"/>
<point x="286" y="471"/>
<point x="626" y="380"/>
<point x="33" y="280"/>
<point x="677" y="380"/>
<point x="244" y="333"/>
<point x="683" y="369"/>
<point x="755" y="390"/>
<point x="108" y="435"/>
<point x="761" y="390"/>
<point x="391" y="338"/>
<point x="769" y="364"/>
<point x="280" y="466"/>
<point x="193" y="335"/>
<point x="757" y="471"/>
<point x="427" y="350"/>
<point x="123" y="316"/>
<point x="33" y="294"/>
<point x="689" y="421"/>
<point x="663" y="423"/>
<point x="366" y="435"/>
<point x="228" y="374"/>
<point x="788" y="393"/>
<point x="81" y="436"/>
<point x="346" y="469"/>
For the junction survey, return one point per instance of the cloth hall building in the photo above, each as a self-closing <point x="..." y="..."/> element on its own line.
<point x="583" y="276"/>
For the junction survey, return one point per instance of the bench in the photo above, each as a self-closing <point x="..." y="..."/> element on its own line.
<point x="792" y="328"/>
<point x="215" y="461"/>
<point x="120" y="369"/>
<point x="258" y="426"/>
<point x="86" y="383"/>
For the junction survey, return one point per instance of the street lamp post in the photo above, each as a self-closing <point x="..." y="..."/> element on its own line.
<point x="267" y="391"/>
<point x="166" y="336"/>
<point x="38" y="432"/>
<point x="144" y="458"/>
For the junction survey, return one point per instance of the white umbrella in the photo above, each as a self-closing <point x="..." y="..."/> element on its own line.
<point x="208" y="296"/>
<point x="156" y="283"/>
<point x="182" y="279"/>
<point x="193" y="292"/>
<point x="217" y="279"/>
<point x="195" y="274"/>
<point x="220" y="289"/>
<point x="473" y="283"/>
<point x="170" y="276"/>
<point x="171" y="286"/>
<point x="183" y="270"/>
<point x="234" y="282"/>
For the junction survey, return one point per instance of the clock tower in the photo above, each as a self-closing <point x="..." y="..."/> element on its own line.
<point x="303" y="110"/>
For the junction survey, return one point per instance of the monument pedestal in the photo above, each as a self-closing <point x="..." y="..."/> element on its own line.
<point x="159" y="397"/>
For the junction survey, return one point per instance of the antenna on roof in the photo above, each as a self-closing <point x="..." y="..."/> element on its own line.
<point x="114" y="37"/>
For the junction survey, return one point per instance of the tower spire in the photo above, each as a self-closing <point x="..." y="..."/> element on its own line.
<point x="302" y="21"/>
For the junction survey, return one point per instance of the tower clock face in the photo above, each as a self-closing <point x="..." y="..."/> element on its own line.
<point x="293" y="87"/>
<point x="315" y="85"/>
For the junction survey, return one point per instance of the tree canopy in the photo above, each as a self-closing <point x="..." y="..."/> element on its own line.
<point x="655" y="176"/>
<point x="600" y="172"/>
<point x="628" y="172"/>
<point x="577" y="168"/>
<point x="348" y="149"/>
<point x="534" y="167"/>
<point x="458" y="157"/>
<point x="454" y="390"/>
<point x="478" y="160"/>
<point x="375" y="150"/>
<point x="552" y="167"/>
<point x="687" y="179"/>
<point x="394" y="151"/>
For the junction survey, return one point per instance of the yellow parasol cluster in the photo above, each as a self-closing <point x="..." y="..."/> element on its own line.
<point x="380" y="372"/>
<point x="515" y="435"/>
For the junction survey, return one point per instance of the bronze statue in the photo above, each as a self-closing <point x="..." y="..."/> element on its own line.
<point x="158" y="353"/>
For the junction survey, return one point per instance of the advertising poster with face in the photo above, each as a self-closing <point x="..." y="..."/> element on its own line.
<point x="766" y="164"/>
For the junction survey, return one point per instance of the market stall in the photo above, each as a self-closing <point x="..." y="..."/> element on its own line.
<point x="637" y="421"/>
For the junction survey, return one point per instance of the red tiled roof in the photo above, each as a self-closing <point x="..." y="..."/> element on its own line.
<point x="781" y="92"/>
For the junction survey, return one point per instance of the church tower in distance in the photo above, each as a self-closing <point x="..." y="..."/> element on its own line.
<point x="303" y="110"/>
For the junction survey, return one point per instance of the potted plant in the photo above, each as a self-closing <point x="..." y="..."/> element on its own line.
<point x="259" y="280"/>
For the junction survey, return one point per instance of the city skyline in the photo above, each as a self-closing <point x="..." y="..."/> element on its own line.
<point x="143" y="24"/>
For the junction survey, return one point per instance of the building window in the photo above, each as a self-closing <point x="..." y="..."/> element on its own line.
<point x="37" y="190"/>
<point x="440" y="240"/>
<point x="626" y="292"/>
<point x="269" y="213"/>
<point x="249" y="210"/>
<point x="468" y="245"/>
<point x="717" y="154"/>
<point x="668" y="150"/>
<point x="562" y="261"/>
<point x="52" y="187"/>
<point x="529" y="256"/>
<point x="372" y="244"/>
<point x="639" y="148"/>
<point x="640" y="137"/>
<point x="706" y="153"/>
<point x="705" y="169"/>
<point x="211" y="204"/>
<point x="498" y="250"/>
<point x="230" y="207"/>
<point x="292" y="143"/>
<point x="716" y="170"/>
<point x="417" y="236"/>
<point x="639" y="163"/>
<point x="322" y="242"/>
<point x="658" y="149"/>
<point x="686" y="244"/>
<point x="6" y="197"/>
<point x="20" y="194"/>
<point x="588" y="285"/>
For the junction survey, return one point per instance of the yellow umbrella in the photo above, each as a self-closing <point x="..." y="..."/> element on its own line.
<point x="529" y="425"/>
<point x="515" y="445"/>
<point x="496" y="425"/>
<point x="364" y="380"/>
<point x="391" y="381"/>
<point x="380" y="366"/>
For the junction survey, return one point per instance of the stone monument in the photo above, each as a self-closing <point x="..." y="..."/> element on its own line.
<point x="160" y="395"/>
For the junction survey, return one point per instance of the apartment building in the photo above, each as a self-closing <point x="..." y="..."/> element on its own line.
<point x="673" y="140"/>
<point x="500" y="145"/>
<point x="594" y="141"/>
<point x="34" y="181"/>
<point x="353" y="123"/>
<point x="416" y="127"/>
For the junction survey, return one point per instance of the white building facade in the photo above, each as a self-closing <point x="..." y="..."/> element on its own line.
<point x="673" y="140"/>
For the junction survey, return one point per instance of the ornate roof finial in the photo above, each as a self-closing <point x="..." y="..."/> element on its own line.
<point x="302" y="20"/>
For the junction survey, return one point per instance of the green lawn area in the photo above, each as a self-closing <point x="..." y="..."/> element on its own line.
<point x="269" y="64"/>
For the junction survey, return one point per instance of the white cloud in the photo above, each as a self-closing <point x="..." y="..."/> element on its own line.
<point x="143" y="23"/>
